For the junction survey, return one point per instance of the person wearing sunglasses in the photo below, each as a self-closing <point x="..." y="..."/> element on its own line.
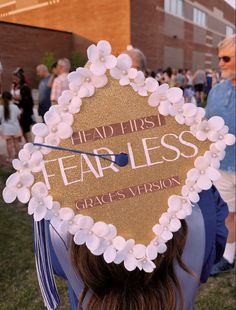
<point x="221" y="101"/>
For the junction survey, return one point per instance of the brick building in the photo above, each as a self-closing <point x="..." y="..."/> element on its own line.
<point x="25" y="46"/>
<point x="177" y="33"/>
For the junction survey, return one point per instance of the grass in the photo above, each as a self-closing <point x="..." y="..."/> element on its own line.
<point x="18" y="281"/>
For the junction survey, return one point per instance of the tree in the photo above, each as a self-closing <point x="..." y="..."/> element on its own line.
<point x="48" y="60"/>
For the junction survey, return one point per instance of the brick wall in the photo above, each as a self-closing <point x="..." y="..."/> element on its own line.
<point x="92" y="19"/>
<point x="167" y="40"/>
<point x="142" y="23"/>
<point x="25" y="46"/>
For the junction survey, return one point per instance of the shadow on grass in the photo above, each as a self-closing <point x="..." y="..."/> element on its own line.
<point x="18" y="281"/>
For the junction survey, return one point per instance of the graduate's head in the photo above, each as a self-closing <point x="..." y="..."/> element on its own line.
<point x="114" y="287"/>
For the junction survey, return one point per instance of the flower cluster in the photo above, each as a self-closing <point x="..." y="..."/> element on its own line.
<point x="57" y="126"/>
<point x="163" y="97"/>
<point x="29" y="159"/>
<point x="83" y="82"/>
<point x="101" y="238"/>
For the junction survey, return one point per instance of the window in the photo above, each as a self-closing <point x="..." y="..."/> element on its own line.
<point x="199" y="17"/>
<point x="174" y="7"/>
<point x="229" y="31"/>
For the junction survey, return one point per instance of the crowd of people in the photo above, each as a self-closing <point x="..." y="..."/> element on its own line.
<point x="196" y="86"/>
<point x="53" y="81"/>
<point x="100" y="290"/>
<point x="17" y="113"/>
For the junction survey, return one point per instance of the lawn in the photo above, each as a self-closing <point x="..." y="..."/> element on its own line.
<point x="18" y="281"/>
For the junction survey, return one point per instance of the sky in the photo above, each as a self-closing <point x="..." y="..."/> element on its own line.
<point x="232" y="3"/>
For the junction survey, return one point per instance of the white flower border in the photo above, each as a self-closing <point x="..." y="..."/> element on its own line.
<point x="102" y="238"/>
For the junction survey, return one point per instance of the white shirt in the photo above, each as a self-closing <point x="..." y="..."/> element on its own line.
<point x="59" y="84"/>
<point x="11" y="127"/>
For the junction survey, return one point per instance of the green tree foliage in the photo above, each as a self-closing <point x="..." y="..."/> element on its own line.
<point x="78" y="59"/>
<point x="48" y="60"/>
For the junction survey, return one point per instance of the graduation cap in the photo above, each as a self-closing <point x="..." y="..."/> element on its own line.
<point x="119" y="161"/>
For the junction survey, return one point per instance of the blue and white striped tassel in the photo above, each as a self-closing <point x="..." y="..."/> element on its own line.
<point x="44" y="265"/>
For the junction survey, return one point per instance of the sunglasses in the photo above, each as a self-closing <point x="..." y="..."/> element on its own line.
<point x="225" y="58"/>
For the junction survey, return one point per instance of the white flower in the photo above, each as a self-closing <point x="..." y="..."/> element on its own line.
<point x="164" y="107"/>
<point x="40" y="130"/>
<point x="208" y="129"/>
<point x="158" y="96"/>
<point x="222" y="138"/>
<point x="40" y="201"/>
<point x="87" y="234"/>
<point x="125" y="252"/>
<point x="55" y="128"/>
<point x="144" y="85"/>
<point x="146" y="265"/>
<point x="203" y="131"/>
<point x="84" y="82"/>
<point x="65" y="97"/>
<point x="69" y="103"/>
<point x="100" y="57"/>
<point x="164" y="93"/>
<point x="176" y="110"/>
<point x="203" y="173"/>
<point x="98" y="239"/>
<point x="42" y="149"/>
<point x="17" y="186"/>
<point x="191" y="190"/>
<point x="214" y="156"/>
<point x="55" y="115"/>
<point x="29" y="159"/>
<point x="65" y="221"/>
<point x="189" y="112"/>
<point x="143" y="262"/>
<point x="184" y="113"/>
<point x="157" y="246"/>
<point x="194" y="121"/>
<point x="110" y="252"/>
<point x="179" y="206"/>
<point x="105" y="233"/>
<point x="167" y="225"/>
<point x="123" y="71"/>
<point x="54" y="211"/>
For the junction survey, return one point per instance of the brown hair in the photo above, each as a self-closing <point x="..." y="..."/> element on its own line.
<point x="114" y="287"/>
<point x="6" y="98"/>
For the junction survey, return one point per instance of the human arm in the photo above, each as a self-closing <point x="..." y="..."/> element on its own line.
<point x="26" y="102"/>
<point x="194" y="77"/>
<point x="15" y="92"/>
<point x="209" y="104"/>
<point x="214" y="211"/>
<point x="51" y="80"/>
<point x="55" y="92"/>
<point x="221" y="229"/>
